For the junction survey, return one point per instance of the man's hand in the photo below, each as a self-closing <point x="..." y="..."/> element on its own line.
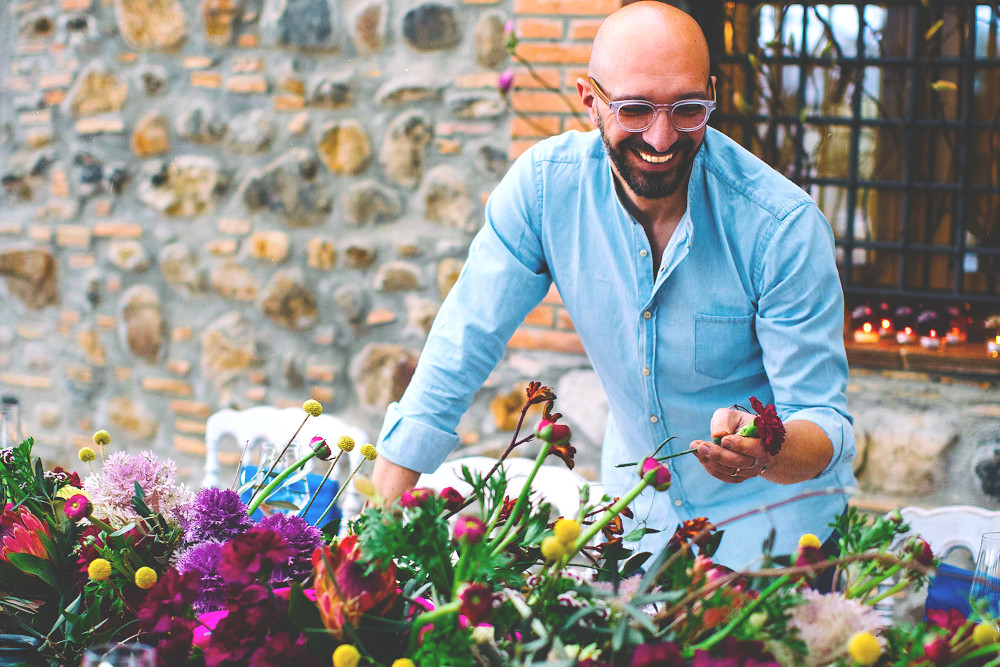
<point x="392" y="480"/>
<point x="737" y="458"/>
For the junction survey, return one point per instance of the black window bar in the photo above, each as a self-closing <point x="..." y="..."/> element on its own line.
<point x="888" y="113"/>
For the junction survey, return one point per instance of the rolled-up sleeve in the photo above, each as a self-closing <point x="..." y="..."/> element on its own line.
<point x="800" y="325"/>
<point x="504" y="277"/>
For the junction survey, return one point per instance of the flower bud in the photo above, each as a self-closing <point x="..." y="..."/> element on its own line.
<point x="87" y="455"/>
<point x="921" y="551"/>
<point x="346" y="655"/>
<point x="553" y="433"/>
<point x="318" y="444"/>
<point x="368" y="451"/>
<point x="99" y="569"/>
<point x="416" y="497"/>
<point x="809" y="540"/>
<point x="345" y="443"/>
<point x="553" y="549"/>
<point x="505" y="81"/>
<point x="937" y="649"/>
<point x="661" y="475"/>
<point x="102" y="438"/>
<point x="452" y="498"/>
<point x="985" y="634"/>
<point x="469" y="530"/>
<point x="145" y="578"/>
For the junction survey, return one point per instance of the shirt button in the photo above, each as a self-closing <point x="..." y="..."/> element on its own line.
<point x="647" y="314"/>
<point x="645" y="370"/>
<point x="678" y="502"/>
<point x="643" y="252"/>
<point x="654" y="419"/>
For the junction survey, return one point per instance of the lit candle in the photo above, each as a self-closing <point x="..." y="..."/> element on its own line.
<point x="906" y="323"/>
<point x="930" y="327"/>
<point x="865" y="326"/>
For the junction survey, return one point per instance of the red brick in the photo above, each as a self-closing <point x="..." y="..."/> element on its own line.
<point x="180" y="334"/>
<point x="584" y="28"/>
<point x="539" y="28"/>
<point x="552" y="341"/>
<point x="321" y="394"/>
<point x="190" y="426"/>
<point x="542" y="78"/>
<point x="517" y="147"/>
<point x="167" y="386"/>
<point x="206" y="79"/>
<point x="566" y="54"/>
<point x="540" y="317"/>
<point x="30" y="381"/>
<point x="582" y="124"/>
<point x="476" y="80"/>
<point x="553" y="296"/>
<point x="572" y="74"/>
<point x="186" y="445"/>
<point x="118" y="230"/>
<point x="537" y="126"/>
<point x="569" y="7"/>
<point x="563" y="321"/>
<point x="539" y="101"/>
<point x="247" y="41"/>
<point x="191" y="409"/>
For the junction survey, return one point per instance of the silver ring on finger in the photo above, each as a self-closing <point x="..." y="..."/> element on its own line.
<point x="755" y="462"/>
<point x="736" y="473"/>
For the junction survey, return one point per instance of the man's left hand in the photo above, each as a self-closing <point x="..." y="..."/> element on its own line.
<point x="737" y="458"/>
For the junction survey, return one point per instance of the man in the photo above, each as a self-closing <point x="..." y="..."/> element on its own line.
<point x="696" y="277"/>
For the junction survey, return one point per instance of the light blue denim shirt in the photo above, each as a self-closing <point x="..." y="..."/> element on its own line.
<point x="746" y="302"/>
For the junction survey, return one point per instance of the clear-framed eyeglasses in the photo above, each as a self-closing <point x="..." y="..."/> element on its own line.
<point x="639" y="115"/>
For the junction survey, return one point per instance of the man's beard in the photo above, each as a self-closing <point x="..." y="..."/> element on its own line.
<point x="650" y="185"/>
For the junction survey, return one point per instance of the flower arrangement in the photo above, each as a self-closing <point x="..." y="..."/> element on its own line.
<point x="438" y="578"/>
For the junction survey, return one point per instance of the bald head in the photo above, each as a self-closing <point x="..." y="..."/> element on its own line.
<point x="651" y="36"/>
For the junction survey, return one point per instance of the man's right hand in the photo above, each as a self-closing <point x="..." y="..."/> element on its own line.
<point x="392" y="480"/>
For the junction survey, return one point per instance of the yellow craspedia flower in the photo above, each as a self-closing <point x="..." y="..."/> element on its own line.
<point x="985" y="634"/>
<point x="864" y="648"/>
<point x="566" y="530"/>
<point x="368" y="451"/>
<point x="68" y="492"/>
<point x="346" y="655"/>
<point x="145" y="578"/>
<point x="403" y="662"/>
<point x="553" y="548"/>
<point x="345" y="443"/>
<point x="809" y="540"/>
<point x="102" y="438"/>
<point x="87" y="455"/>
<point x="99" y="569"/>
<point x="315" y="408"/>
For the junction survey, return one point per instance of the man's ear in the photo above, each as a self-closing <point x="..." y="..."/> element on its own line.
<point x="587" y="97"/>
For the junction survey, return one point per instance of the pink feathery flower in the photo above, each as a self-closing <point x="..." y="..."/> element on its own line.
<point x="111" y="490"/>
<point x="826" y="623"/>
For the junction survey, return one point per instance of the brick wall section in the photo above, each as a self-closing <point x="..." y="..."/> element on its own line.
<point x="554" y="37"/>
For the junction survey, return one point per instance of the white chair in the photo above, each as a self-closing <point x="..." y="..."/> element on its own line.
<point x="951" y="526"/>
<point x="256" y="427"/>
<point x="555" y="483"/>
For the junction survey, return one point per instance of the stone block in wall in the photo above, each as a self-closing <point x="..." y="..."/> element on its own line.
<point x="232" y="280"/>
<point x="287" y="301"/>
<point x="381" y="372"/>
<point x="151" y="24"/>
<point x="431" y="26"/>
<point x="330" y="90"/>
<point x="31" y="275"/>
<point x="179" y="266"/>
<point x="352" y="301"/>
<point x="447" y="274"/>
<point x="404" y="148"/>
<point x="289" y="188"/>
<point x="97" y="90"/>
<point x="367" y="25"/>
<point x="131" y="418"/>
<point x="321" y="254"/>
<point x="476" y="105"/>
<point x="344" y="147"/>
<point x="153" y="80"/>
<point x="201" y="123"/>
<point x="900" y="451"/>
<point x="397" y="277"/>
<point x="228" y="348"/>
<point x="151" y="136"/>
<point x="141" y="325"/>
<point x="250" y="132"/>
<point x="445" y="197"/>
<point x="128" y="255"/>
<point x="186" y="185"/>
<point x="368" y="201"/>
<point x="420" y="314"/>
<point x="307" y="25"/>
<point x="272" y="246"/>
<point x="360" y="255"/>
<point x="414" y="85"/>
<point x="219" y="18"/>
<point x="490" y="40"/>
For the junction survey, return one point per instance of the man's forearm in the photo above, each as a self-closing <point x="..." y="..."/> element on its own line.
<point x="806" y="453"/>
<point x="391" y="479"/>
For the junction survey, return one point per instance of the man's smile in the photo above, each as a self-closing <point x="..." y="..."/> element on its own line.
<point x="656" y="159"/>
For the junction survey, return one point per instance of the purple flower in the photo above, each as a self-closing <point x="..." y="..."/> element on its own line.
<point x="215" y="516"/>
<point x="302" y="538"/>
<point x="662" y="654"/>
<point x="203" y="559"/>
<point x="505" y="81"/>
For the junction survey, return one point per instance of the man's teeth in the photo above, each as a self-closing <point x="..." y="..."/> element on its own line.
<point x="655" y="159"/>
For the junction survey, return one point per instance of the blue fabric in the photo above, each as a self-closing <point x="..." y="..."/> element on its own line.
<point x="949" y="588"/>
<point x="746" y="302"/>
<point x="294" y="492"/>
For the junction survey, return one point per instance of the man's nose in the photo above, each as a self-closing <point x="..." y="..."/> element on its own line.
<point x="661" y="135"/>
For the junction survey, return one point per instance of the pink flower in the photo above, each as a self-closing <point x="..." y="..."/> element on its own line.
<point x="937" y="649"/>
<point x="661" y="476"/>
<point x="343" y="591"/>
<point x="319" y="445"/>
<point x="476" y="602"/>
<point x="469" y="530"/>
<point x="950" y="620"/>
<point x="921" y="551"/>
<point x="77" y="507"/>
<point x="505" y="81"/>
<point x="662" y="654"/>
<point x="452" y="498"/>
<point x="19" y="533"/>
<point x="416" y="497"/>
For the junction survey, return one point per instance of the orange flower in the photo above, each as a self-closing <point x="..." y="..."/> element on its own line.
<point x="19" y="533"/>
<point x="537" y="393"/>
<point x="343" y="592"/>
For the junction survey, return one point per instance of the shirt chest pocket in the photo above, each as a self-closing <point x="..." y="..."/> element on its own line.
<point x="722" y="342"/>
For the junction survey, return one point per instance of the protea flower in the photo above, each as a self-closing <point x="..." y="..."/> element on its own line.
<point x="19" y="533"/>
<point x="343" y="592"/>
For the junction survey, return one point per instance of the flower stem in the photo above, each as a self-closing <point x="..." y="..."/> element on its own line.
<point x="866" y="586"/>
<point x="329" y="471"/>
<point x="503" y="539"/>
<point x="743" y="615"/>
<point x="611" y="513"/>
<point x="285" y="449"/>
<point x="340" y="492"/>
<point x="900" y="585"/>
<point x="266" y="492"/>
<point x="429" y="617"/>
<point x="991" y="649"/>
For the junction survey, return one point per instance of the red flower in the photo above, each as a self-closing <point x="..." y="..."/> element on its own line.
<point x="921" y="551"/>
<point x="469" y="530"/>
<point x="66" y="478"/>
<point x="950" y="620"/>
<point x="699" y="530"/>
<point x="553" y="433"/>
<point x="661" y="476"/>
<point x="251" y="556"/>
<point x="477" y="602"/>
<point x="416" y="497"/>
<point x="735" y="653"/>
<point x="168" y="598"/>
<point x="452" y="498"/>
<point x="937" y="650"/>
<point x="537" y="393"/>
<point x="239" y="634"/>
<point x="508" y="507"/>
<point x="344" y="592"/>
<point x="319" y="445"/>
<point x="613" y="528"/>
<point x="20" y="532"/>
<point x="663" y="654"/>
<point x="175" y="647"/>
<point x="769" y="426"/>
<point x="280" y="649"/>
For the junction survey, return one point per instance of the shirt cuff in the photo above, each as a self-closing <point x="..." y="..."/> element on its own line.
<point x="837" y="427"/>
<point x="413" y="444"/>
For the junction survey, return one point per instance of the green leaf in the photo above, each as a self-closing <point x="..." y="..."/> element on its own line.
<point x="638" y="534"/>
<point x="40" y="479"/>
<point x="39" y="567"/>
<point x="633" y="564"/>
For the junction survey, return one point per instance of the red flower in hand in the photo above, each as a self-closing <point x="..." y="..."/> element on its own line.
<point x="769" y="426"/>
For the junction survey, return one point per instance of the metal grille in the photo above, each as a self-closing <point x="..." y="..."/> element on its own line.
<point x="888" y="114"/>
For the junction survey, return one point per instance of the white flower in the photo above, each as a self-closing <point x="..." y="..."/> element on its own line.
<point x="826" y="624"/>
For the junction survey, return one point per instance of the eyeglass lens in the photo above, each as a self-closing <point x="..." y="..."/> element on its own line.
<point x="638" y="116"/>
